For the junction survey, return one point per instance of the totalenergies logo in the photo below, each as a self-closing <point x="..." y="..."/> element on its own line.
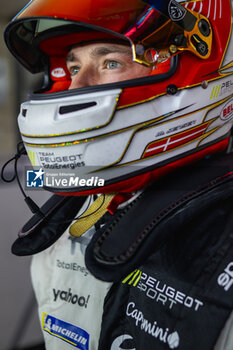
<point x="227" y="111"/>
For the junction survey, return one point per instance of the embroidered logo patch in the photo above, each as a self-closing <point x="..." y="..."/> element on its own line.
<point x="67" y="332"/>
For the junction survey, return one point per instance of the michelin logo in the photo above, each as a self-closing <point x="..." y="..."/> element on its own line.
<point x="67" y="332"/>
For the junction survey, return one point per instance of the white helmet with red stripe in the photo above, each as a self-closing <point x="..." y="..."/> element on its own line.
<point x="131" y="132"/>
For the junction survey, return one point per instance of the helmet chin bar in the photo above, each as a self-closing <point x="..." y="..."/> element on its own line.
<point x="90" y="136"/>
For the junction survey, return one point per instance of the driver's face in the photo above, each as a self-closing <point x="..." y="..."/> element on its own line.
<point x="102" y="63"/>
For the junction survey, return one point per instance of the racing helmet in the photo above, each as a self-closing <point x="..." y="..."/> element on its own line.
<point x="131" y="132"/>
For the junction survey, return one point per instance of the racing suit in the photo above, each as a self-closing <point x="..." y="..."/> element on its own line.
<point x="158" y="274"/>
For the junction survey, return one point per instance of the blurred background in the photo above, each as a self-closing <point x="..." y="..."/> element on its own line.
<point x="19" y="324"/>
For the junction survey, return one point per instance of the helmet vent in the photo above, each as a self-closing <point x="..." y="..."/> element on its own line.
<point x="24" y="112"/>
<point x="75" y="108"/>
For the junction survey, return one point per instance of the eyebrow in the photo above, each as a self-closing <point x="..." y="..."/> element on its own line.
<point x="102" y="51"/>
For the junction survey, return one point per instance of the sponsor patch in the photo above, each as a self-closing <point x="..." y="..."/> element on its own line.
<point x="58" y="72"/>
<point x="152" y="328"/>
<point x="160" y="292"/>
<point x="69" y="297"/>
<point x="67" y="332"/>
<point x="221" y="89"/>
<point x="72" y="266"/>
<point x="227" y="111"/>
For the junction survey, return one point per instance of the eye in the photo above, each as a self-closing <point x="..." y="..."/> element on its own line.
<point x="74" y="70"/>
<point x="111" y="64"/>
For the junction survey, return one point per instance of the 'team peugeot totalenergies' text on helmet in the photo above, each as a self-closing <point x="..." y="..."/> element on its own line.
<point x="129" y="132"/>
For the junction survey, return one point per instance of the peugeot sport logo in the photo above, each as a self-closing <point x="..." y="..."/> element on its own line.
<point x="118" y="342"/>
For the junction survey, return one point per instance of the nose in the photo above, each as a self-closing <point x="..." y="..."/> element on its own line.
<point x="84" y="78"/>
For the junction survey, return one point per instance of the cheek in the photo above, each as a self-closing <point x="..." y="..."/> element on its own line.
<point x="132" y="71"/>
<point x="111" y="77"/>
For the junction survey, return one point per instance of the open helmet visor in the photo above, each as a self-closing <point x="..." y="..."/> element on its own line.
<point x="49" y="28"/>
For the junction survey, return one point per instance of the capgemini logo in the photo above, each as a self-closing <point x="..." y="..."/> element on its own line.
<point x="152" y="328"/>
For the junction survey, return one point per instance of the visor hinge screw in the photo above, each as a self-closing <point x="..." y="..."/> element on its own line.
<point x="172" y="89"/>
<point x="173" y="49"/>
<point x="204" y="84"/>
<point x="140" y="50"/>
